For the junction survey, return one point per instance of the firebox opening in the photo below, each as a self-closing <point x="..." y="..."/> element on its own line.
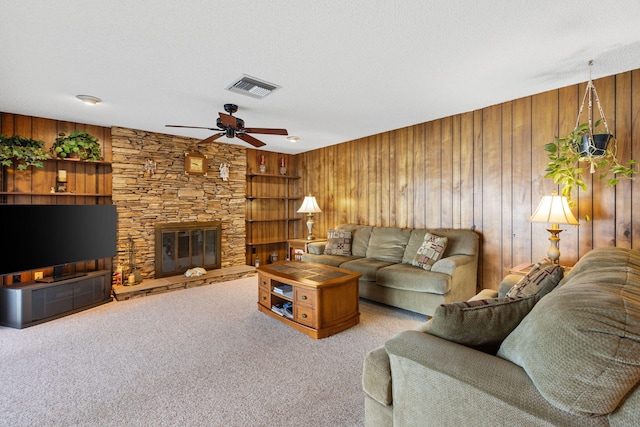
<point x="184" y="245"/>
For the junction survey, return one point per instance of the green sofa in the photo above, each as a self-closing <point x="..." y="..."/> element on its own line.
<point x="573" y="360"/>
<point x="383" y="256"/>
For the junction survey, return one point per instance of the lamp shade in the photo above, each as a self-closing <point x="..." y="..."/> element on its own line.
<point x="309" y="205"/>
<point x="554" y="209"/>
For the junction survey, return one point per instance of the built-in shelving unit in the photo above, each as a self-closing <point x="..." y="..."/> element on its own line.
<point x="87" y="183"/>
<point x="270" y="214"/>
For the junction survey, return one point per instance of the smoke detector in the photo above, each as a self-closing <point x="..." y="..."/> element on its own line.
<point x="252" y="86"/>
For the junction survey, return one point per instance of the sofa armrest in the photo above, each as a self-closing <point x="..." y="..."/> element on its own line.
<point x="376" y="376"/>
<point x="316" y="248"/>
<point x="450" y="384"/>
<point x="449" y="264"/>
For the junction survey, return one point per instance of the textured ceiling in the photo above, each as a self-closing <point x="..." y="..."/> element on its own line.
<point x="347" y="69"/>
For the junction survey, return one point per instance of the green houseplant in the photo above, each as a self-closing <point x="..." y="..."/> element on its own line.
<point x="78" y="144"/>
<point x="576" y="154"/>
<point x="25" y="151"/>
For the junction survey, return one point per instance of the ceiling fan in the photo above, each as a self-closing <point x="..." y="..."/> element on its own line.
<point x="231" y="126"/>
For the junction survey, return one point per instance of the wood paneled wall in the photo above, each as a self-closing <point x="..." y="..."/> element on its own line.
<point x="483" y="170"/>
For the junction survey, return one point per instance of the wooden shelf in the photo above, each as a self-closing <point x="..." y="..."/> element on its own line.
<point x="22" y="193"/>
<point x="266" y="242"/>
<point x="273" y="220"/>
<point x="272" y="198"/>
<point x="267" y="175"/>
<point x="59" y="159"/>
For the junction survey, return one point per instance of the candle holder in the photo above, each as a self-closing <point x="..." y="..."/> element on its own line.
<point x="61" y="181"/>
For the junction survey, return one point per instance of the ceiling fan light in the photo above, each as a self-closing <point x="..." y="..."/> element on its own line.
<point x="89" y="99"/>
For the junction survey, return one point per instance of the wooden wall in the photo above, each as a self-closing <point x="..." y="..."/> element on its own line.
<point x="482" y="170"/>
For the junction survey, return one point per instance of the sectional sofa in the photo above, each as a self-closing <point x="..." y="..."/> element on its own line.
<point x="570" y="357"/>
<point x="384" y="256"/>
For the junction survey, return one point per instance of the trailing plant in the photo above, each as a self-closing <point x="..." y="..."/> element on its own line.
<point x="568" y="164"/>
<point x="78" y="143"/>
<point x="25" y="151"/>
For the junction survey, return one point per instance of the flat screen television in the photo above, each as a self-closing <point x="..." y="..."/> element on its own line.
<point x="44" y="236"/>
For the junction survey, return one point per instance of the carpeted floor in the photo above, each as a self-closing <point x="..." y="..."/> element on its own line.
<point x="198" y="357"/>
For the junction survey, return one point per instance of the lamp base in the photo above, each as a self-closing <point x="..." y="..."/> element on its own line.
<point x="554" y="250"/>
<point x="310" y="223"/>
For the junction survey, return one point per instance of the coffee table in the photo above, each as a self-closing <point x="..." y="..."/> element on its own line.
<point x="323" y="299"/>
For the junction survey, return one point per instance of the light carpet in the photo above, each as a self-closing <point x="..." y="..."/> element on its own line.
<point x="198" y="357"/>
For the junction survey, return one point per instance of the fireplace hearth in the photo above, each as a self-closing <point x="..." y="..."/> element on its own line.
<point x="184" y="245"/>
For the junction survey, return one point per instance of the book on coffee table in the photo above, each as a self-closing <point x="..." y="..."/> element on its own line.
<point x="284" y="290"/>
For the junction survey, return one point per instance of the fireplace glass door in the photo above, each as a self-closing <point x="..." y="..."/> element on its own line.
<point x="181" y="246"/>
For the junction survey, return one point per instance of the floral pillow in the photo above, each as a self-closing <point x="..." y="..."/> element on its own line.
<point x="431" y="251"/>
<point x="338" y="243"/>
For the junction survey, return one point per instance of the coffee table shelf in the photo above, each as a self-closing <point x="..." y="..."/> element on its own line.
<point x="324" y="298"/>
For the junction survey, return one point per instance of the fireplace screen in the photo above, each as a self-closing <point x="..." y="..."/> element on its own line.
<point x="184" y="245"/>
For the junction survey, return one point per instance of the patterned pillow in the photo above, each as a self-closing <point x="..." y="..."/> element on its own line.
<point x="480" y="324"/>
<point x="431" y="251"/>
<point x="540" y="280"/>
<point x="339" y="243"/>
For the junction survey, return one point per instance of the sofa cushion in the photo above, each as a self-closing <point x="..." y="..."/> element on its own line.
<point x="430" y="251"/>
<point x="540" y="280"/>
<point x="388" y="244"/>
<point x="460" y="242"/>
<point x="367" y="267"/>
<point x="410" y="278"/>
<point x="580" y="345"/>
<point x="360" y="235"/>
<point x="333" y="260"/>
<point x="338" y="243"/>
<point x="481" y="324"/>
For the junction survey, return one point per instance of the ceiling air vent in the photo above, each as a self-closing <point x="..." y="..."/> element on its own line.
<point x="251" y="86"/>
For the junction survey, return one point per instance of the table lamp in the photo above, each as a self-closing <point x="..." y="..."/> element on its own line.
<point x="309" y="206"/>
<point x="555" y="210"/>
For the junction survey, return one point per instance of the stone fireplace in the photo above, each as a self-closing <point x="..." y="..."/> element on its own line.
<point x="170" y="196"/>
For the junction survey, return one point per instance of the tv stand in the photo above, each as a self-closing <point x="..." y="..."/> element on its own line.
<point x="53" y="279"/>
<point x="29" y="303"/>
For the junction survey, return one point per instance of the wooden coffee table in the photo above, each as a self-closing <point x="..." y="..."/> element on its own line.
<point x="323" y="299"/>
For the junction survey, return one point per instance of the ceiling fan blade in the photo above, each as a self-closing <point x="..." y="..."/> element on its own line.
<point x="228" y="120"/>
<point x="251" y="140"/>
<point x="211" y="138"/>
<point x="190" y="127"/>
<point x="266" y="131"/>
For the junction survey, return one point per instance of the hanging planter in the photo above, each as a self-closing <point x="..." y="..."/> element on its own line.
<point x="594" y="146"/>
<point x="590" y="146"/>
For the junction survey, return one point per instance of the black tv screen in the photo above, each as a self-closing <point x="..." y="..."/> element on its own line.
<point x="43" y="236"/>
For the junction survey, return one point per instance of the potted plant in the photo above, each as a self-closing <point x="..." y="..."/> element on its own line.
<point x="25" y="151"/>
<point x="78" y="144"/>
<point x="584" y="150"/>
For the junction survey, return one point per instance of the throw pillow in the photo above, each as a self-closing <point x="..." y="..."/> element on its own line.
<point x="431" y="251"/>
<point x="480" y="324"/>
<point x="338" y="243"/>
<point x="541" y="280"/>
